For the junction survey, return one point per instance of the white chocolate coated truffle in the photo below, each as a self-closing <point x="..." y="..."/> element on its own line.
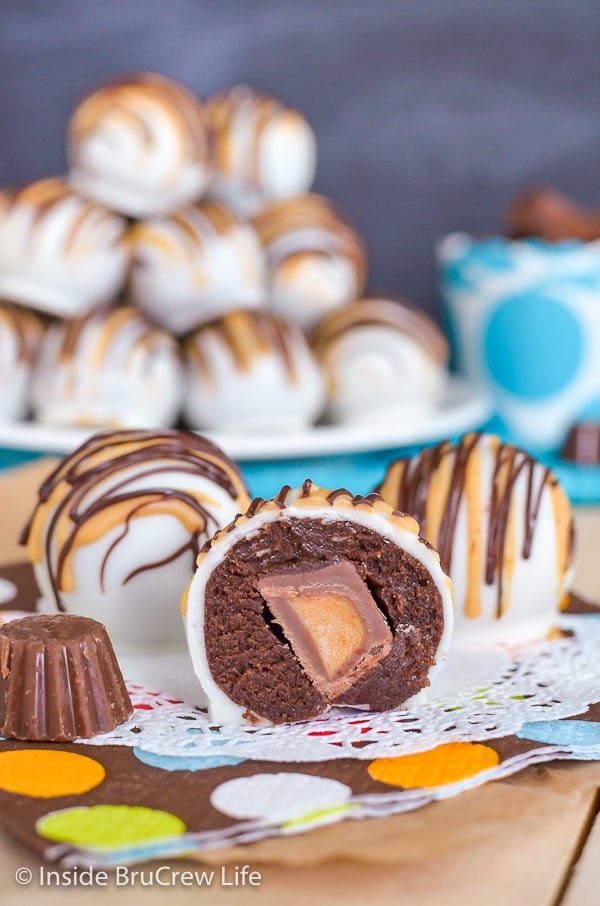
<point x="262" y="150"/>
<point x="195" y="265"/>
<point x="250" y="371"/>
<point x="118" y="526"/>
<point x="140" y="146"/>
<point x="112" y="368"/>
<point x="59" y="253"/>
<point x="301" y="515"/>
<point x="315" y="260"/>
<point x="383" y="360"/>
<point x="20" y="337"/>
<point x="503" y="527"/>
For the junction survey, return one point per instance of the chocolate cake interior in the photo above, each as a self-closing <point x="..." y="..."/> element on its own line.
<point x="254" y="662"/>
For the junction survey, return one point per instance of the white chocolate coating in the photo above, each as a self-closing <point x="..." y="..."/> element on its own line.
<point x="263" y="151"/>
<point x="249" y="371"/>
<point x="383" y="360"/>
<point x="315" y="261"/>
<point x="195" y="265"/>
<point x="119" y="524"/>
<point x="140" y="146"/>
<point x="503" y="527"/>
<point x="59" y="253"/>
<point x="110" y="369"/>
<point x="20" y="337"/>
<point x="376" y="515"/>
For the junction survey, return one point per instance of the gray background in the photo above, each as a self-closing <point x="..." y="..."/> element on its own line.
<point x="429" y="114"/>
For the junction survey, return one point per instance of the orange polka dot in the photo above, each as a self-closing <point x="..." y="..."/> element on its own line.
<point x="449" y="763"/>
<point x="45" y="773"/>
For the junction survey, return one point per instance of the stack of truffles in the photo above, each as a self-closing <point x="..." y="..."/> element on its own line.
<point x="183" y="269"/>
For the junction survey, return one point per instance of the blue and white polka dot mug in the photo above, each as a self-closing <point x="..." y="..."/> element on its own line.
<point x="524" y="320"/>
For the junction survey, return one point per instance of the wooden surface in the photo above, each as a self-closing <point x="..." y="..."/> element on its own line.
<point x="530" y="840"/>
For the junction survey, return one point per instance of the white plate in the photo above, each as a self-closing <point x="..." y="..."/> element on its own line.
<point x="462" y="408"/>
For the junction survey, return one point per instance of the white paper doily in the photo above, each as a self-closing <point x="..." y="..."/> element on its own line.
<point x="487" y="695"/>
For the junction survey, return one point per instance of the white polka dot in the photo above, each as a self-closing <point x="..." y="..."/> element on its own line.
<point x="8" y="591"/>
<point x="277" y="798"/>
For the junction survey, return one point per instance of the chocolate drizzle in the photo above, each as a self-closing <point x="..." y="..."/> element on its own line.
<point x="25" y="326"/>
<point x="309" y="225"/>
<point x="247" y="335"/>
<point x="44" y="197"/>
<point x="146" y="454"/>
<point x="129" y="101"/>
<point x="256" y="112"/>
<point x="387" y="313"/>
<point x="409" y="487"/>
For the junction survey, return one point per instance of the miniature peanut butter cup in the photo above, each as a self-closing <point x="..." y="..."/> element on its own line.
<point x="312" y="600"/>
<point x="59" y="679"/>
<point x="582" y="445"/>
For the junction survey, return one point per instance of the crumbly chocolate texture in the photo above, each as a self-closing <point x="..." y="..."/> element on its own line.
<point x="248" y="654"/>
<point x="59" y="679"/>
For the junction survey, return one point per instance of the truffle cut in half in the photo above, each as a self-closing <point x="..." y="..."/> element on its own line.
<point x="313" y="599"/>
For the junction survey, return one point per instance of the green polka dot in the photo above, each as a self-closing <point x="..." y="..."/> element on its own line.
<point x="109" y="826"/>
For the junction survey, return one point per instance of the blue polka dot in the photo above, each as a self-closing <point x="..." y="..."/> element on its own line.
<point x="533" y="346"/>
<point x="186" y="762"/>
<point x="493" y="254"/>
<point x="562" y="732"/>
<point x="591" y="412"/>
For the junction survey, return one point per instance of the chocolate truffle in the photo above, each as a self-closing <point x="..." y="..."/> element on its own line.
<point x="119" y="523"/>
<point x="20" y="337"/>
<point x="316" y="261"/>
<point x="140" y="146"/>
<point x="195" y="265"/>
<point x="316" y="599"/>
<point x="59" y="253"/>
<point x="59" y="679"/>
<point x="112" y="368"/>
<point x="262" y="149"/>
<point x="503" y="528"/>
<point x="546" y="214"/>
<point x="383" y="360"/>
<point x="251" y="371"/>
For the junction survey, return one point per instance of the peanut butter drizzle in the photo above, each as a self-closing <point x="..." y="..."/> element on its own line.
<point x="565" y="534"/>
<point x="76" y="520"/>
<point x="220" y="218"/>
<point x="128" y="99"/>
<point x="473" y="486"/>
<point x="25" y="326"/>
<point x="265" y="112"/>
<point x="247" y="335"/>
<point x="312" y="212"/>
<point x="186" y="233"/>
<point x="45" y="196"/>
<point x="374" y="312"/>
<point x="117" y="319"/>
<point x="109" y="322"/>
<point x="223" y="112"/>
<point x="192" y="231"/>
<point x="414" y="486"/>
